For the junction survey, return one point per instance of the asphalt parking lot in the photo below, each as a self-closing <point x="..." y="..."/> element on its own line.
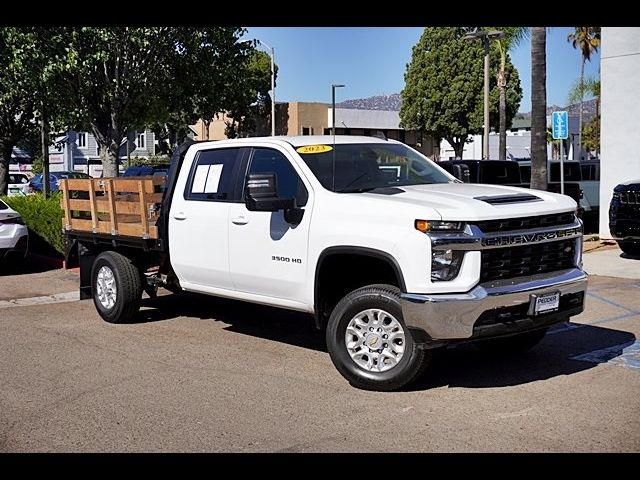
<point x="204" y="374"/>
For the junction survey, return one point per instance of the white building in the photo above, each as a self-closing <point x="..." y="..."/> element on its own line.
<point x="620" y="113"/>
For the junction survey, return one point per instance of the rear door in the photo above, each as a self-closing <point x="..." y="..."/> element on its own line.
<point x="199" y="219"/>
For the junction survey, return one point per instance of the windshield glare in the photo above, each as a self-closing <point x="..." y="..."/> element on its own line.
<point x="366" y="166"/>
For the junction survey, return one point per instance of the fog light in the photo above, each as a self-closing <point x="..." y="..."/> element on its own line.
<point x="445" y="264"/>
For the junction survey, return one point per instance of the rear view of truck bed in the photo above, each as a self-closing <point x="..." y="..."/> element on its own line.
<point x="114" y="206"/>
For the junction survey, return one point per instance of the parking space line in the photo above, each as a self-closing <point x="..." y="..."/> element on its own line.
<point x="625" y="355"/>
<point x="610" y="302"/>
<point x="44" y="300"/>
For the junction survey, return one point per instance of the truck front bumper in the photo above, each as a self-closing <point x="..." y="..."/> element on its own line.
<point x="493" y="309"/>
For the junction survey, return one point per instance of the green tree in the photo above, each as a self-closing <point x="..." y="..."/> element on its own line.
<point x="538" y="108"/>
<point x="443" y="93"/>
<point x="250" y="99"/>
<point x="121" y="78"/>
<point x="591" y="131"/>
<point x="17" y="102"/>
<point x="587" y="40"/>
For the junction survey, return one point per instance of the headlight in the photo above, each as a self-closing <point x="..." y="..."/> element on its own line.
<point x="445" y="264"/>
<point x="438" y="226"/>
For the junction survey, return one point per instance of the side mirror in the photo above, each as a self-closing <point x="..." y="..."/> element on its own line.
<point x="261" y="194"/>
<point x="461" y="172"/>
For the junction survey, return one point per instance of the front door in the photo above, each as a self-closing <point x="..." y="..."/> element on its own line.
<point x="267" y="255"/>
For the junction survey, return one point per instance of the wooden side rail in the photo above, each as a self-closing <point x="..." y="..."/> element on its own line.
<point x="117" y="206"/>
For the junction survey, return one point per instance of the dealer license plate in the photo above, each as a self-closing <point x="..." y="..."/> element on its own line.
<point x="545" y="303"/>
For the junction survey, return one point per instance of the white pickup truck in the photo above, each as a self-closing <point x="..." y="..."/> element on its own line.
<point x="392" y="255"/>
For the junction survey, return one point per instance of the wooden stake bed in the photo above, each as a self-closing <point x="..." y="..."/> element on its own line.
<point x="117" y="206"/>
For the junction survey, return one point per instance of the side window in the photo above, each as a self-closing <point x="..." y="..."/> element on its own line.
<point x="266" y="160"/>
<point x="212" y="175"/>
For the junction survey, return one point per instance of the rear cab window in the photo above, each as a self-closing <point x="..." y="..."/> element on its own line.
<point x="213" y="176"/>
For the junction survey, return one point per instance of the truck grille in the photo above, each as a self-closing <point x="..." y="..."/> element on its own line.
<point x="524" y="223"/>
<point x="500" y="263"/>
<point x="630" y="198"/>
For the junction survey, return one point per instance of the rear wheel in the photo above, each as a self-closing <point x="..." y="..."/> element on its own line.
<point x="116" y="287"/>
<point x="369" y="343"/>
<point x="630" y="248"/>
<point x="513" y="344"/>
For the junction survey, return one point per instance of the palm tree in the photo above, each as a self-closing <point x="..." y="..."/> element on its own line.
<point x="587" y="40"/>
<point x="512" y="37"/>
<point x="538" y="108"/>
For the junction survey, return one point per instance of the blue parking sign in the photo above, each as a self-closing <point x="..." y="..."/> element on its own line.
<point x="559" y="123"/>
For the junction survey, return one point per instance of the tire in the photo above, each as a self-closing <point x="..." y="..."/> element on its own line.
<point x="513" y="344"/>
<point x="383" y="304"/>
<point x="113" y="273"/>
<point x="630" y="248"/>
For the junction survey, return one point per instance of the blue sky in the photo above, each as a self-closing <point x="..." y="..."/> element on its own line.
<point x="372" y="61"/>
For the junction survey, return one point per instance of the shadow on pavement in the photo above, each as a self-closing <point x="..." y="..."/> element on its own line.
<point x="275" y="324"/>
<point x="16" y="265"/>
<point x="462" y="366"/>
<point x="466" y="366"/>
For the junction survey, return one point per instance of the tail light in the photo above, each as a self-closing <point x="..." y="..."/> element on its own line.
<point x="12" y="220"/>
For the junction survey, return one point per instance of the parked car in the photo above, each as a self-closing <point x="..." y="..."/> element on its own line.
<point x="14" y="236"/>
<point x="624" y="216"/>
<point x="147" y="170"/>
<point x="18" y="184"/>
<point x="36" y="183"/>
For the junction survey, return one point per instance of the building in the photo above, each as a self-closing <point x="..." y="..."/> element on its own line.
<point x="314" y="118"/>
<point x="619" y="107"/>
<point x="79" y="151"/>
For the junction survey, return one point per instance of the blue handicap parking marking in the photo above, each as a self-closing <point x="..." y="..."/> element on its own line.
<point x="625" y="355"/>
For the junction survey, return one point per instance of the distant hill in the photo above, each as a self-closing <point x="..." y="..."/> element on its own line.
<point x="378" y="102"/>
<point x="392" y="102"/>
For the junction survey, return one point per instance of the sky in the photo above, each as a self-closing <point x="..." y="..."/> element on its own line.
<point x="372" y="61"/>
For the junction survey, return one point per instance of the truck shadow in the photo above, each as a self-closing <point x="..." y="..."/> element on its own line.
<point x="565" y="350"/>
<point x="569" y="348"/>
<point x="279" y="325"/>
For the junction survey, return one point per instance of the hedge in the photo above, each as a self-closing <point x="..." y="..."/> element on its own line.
<point x="43" y="218"/>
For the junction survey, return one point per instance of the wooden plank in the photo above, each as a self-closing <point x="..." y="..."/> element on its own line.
<point x="65" y="203"/>
<point x="131" y="208"/>
<point x="82" y="184"/>
<point x="124" y="229"/>
<point x="143" y="208"/>
<point x="112" y="206"/>
<point x="93" y="206"/>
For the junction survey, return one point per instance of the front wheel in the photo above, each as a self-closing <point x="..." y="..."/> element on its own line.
<point x="116" y="287"/>
<point x="369" y="342"/>
<point x="630" y="248"/>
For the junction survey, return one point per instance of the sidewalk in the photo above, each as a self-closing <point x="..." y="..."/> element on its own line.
<point x="609" y="261"/>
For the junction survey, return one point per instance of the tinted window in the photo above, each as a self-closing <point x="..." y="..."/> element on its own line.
<point x="525" y="173"/>
<point x="360" y="167"/>
<point x="17" y="178"/>
<point x="499" y="173"/>
<point x="212" y="175"/>
<point x="571" y="172"/>
<point x="265" y="160"/>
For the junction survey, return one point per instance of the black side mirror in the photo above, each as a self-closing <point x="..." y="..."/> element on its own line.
<point x="461" y="172"/>
<point x="261" y="194"/>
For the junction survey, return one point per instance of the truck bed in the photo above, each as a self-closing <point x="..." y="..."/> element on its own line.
<point x="120" y="207"/>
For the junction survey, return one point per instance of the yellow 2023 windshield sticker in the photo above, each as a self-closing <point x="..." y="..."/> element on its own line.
<point x="314" y="149"/>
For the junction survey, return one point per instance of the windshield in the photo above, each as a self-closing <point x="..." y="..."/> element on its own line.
<point x="366" y="166"/>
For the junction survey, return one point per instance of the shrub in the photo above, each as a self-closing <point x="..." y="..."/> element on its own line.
<point x="150" y="160"/>
<point x="43" y="217"/>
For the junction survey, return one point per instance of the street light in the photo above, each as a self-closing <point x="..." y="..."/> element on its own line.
<point x="273" y="88"/>
<point x="333" y="108"/>
<point x="485" y="36"/>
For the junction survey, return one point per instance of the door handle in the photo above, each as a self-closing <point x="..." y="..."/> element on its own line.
<point x="179" y="216"/>
<point x="239" y="220"/>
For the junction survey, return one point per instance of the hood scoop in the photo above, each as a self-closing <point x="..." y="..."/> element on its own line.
<point x="505" y="199"/>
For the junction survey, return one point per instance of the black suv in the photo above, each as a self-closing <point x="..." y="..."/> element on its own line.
<point x="624" y="216"/>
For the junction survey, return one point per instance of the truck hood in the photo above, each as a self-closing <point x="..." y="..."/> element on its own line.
<point x="469" y="202"/>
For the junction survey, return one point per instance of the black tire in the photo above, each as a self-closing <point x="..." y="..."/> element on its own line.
<point x="513" y="344"/>
<point x="630" y="248"/>
<point x="413" y="361"/>
<point x="128" y="287"/>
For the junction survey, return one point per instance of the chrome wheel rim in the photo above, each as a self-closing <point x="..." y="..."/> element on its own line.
<point x="375" y="340"/>
<point x="106" y="287"/>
